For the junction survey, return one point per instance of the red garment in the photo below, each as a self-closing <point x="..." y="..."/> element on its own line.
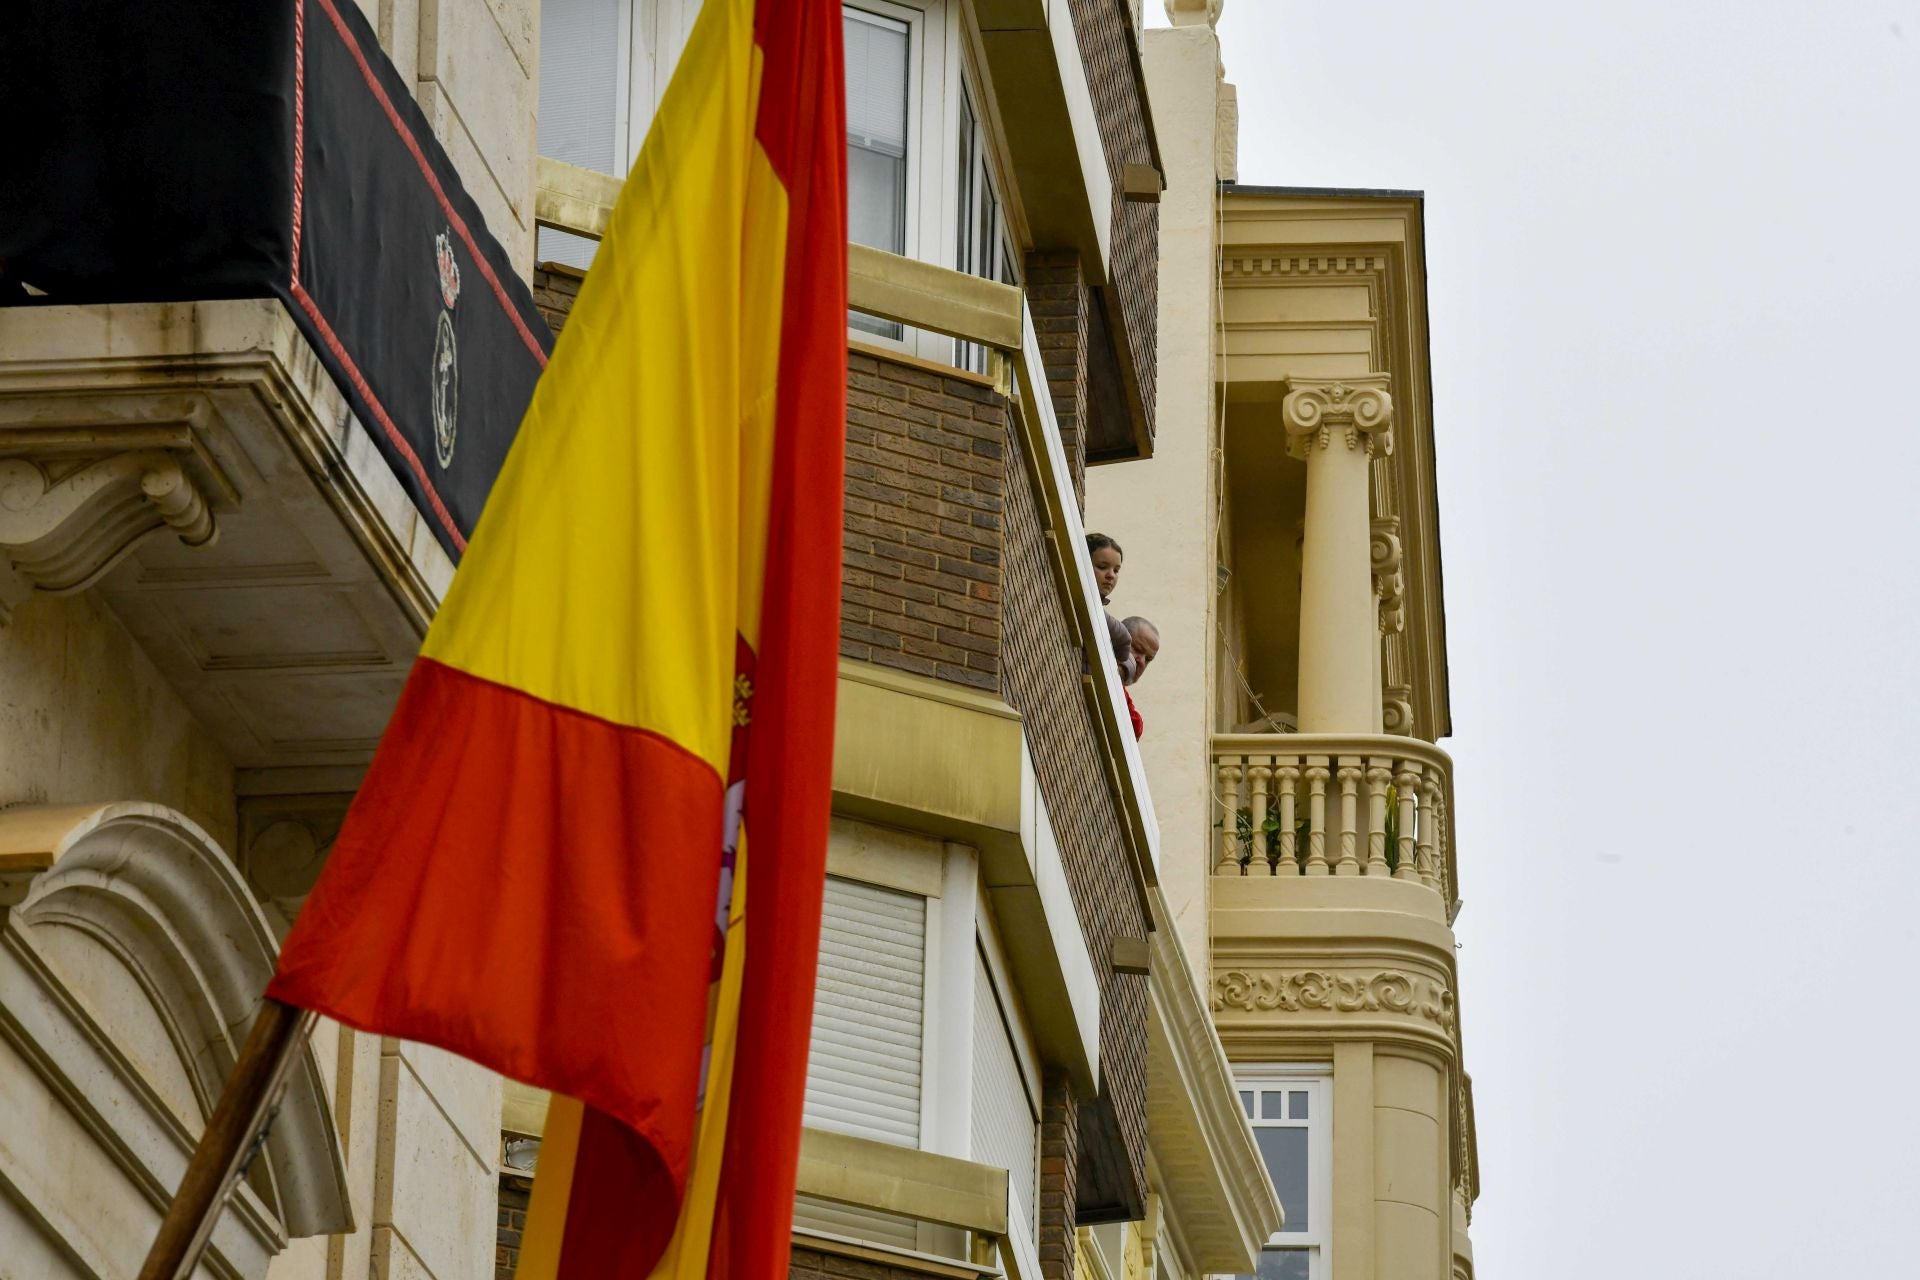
<point x="1139" y="725"/>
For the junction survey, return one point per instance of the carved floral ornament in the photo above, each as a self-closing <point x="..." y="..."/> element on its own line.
<point x="1317" y="990"/>
<point x="1358" y="411"/>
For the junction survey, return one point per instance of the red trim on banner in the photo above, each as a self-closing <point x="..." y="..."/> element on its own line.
<point x="299" y="131"/>
<point x="392" y="432"/>
<point x="433" y="181"/>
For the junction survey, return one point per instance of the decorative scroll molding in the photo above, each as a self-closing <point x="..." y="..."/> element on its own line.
<point x="1389" y="581"/>
<point x="1386" y="991"/>
<point x="65" y="522"/>
<point x="1359" y="411"/>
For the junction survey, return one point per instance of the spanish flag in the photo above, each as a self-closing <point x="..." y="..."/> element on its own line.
<point x="590" y="851"/>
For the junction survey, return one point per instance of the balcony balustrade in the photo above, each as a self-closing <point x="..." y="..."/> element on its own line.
<point x="1334" y="804"/>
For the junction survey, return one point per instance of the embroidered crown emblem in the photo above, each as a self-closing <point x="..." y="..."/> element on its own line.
<point x="449" y="269"/>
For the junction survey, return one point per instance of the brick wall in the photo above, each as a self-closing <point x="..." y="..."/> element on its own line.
<point x="554" y="289"/>
<point x="1057" y="296"/>
<point x="515" y="1194"/>
<point x="1059" y="1164"/>
<point x="1104" y="29"/>
<point x="1043" y="669"/>
<point x="925" y="483"/>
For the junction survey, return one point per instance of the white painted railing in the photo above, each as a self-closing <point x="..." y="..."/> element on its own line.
<point x="1334" y="804"/>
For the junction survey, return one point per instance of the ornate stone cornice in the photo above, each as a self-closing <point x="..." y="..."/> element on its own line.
<point x="1321" y="990"/>
<point x="1357" y="411"/>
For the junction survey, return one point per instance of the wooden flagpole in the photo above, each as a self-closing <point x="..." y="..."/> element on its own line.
<point x="232" y="1137"/>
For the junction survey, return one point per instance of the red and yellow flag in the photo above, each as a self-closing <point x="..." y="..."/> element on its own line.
<point x="629" y="688"/>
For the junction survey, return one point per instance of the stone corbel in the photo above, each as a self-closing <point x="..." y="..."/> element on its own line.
<point x="1356" y="411"/>
<point x="64" y="522"/>
<point x="1389" y="581"/>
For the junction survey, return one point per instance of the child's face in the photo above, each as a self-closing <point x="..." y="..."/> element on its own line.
<point x="1106" y="570"/>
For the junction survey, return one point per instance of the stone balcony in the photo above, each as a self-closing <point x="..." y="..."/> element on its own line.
<point x="195" y="465"/>
<point x="1304" y="805"/>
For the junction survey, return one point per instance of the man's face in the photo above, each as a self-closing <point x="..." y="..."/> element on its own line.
<point x="1146" y="647"/>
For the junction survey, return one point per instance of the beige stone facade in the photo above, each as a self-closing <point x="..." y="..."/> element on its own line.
<point x="1283" y="538"/>
<point x="1043" y="981"/>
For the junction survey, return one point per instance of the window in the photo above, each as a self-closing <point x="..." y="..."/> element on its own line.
<point x="1005" y="1114"/>
<point x="864" y="1068"/>
<point x="1289" y="1111"/>
<point x="603" y="67"/>
<point x="877" y="64"/>
<point x="982" y="248"/>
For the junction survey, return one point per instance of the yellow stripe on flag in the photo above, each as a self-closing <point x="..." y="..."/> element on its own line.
<point x="552" y="1188"/>
<point x="648" y="464"/>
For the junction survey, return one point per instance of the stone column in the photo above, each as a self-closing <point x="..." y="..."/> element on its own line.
<point x="1338" y="425"/>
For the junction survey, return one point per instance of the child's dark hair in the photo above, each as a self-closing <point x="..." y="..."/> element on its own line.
<point x="1100" y="542"/>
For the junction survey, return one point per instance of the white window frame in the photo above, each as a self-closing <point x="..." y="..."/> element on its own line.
<point x="1022" y="1234"/>
<point x="933" y="149"/>
<point x="946" y="1033"/>
<point x="1317" y="1080"/>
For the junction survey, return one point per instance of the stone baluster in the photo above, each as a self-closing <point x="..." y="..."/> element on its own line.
<point x="1229" y="785"/>
<point x="1317" y="775"/>
<point x="1338" y="425"/>
<point x="1379" y="774"/>
<point x="1288" y="775"/>
<point x="1349" y="778"/>
<point x="1259" y="771"/>
<point x="1406" y="783"/>
<point x="1429" y="824"/>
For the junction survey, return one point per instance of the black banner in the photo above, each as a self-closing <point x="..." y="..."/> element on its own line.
<point x="246" y="148"/>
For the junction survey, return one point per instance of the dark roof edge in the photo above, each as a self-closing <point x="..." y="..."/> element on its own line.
<point x="1344" y="193"/>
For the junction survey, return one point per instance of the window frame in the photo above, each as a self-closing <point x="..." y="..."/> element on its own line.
<point x="1316" y="1079"/>
<point x="932" y="150"/>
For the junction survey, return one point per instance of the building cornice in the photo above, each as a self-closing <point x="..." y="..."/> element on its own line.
<point x="1212" y="1178"/>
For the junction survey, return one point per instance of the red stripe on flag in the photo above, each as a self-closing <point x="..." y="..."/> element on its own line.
<point x="801" y="127"/>
<point x="560" y="864"/>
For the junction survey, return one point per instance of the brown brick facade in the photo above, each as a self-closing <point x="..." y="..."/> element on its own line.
<point x="925" y="484"/>
<point x="1105" y="31"/>
<point x="1057" y="295"/>
<point x="554" y="289"/>
<point x="1059" y="1167"/>
<point x="1043" y="671"/>
<point x="515" y="1195"/>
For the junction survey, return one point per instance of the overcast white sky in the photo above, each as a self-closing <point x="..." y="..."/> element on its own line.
<point x="1673" y="255"/>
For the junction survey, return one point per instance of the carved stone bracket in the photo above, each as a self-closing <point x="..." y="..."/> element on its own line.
<point x="1389" y="580"/>
<point x="1318" y="990"/>
<point x="1358" y="411"/>
<point x="65" y="521"/>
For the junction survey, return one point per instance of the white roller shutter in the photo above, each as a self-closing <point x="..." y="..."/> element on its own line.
<point x="1006" y="1130"/>
<point x="863" y="1072"/>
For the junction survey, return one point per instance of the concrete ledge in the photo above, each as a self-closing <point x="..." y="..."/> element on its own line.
<point x="943" y="1190"/>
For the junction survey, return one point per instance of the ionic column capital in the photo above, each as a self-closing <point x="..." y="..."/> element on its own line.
<point x="1356" y="412"/>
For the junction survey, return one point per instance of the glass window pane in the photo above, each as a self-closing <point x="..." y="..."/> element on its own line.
<point x="579" y="102"/>
<point x="1285" y="1154"/>
<point x="876" y="52"/>
<point x="1271" y="1106"/>
<point x="876" y="60"/>
<point x="1246" y="1104"/>
<point x="1297" y="1104"/>
<point x="1285" y="1264"/>
<point x="579" y="72"/>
